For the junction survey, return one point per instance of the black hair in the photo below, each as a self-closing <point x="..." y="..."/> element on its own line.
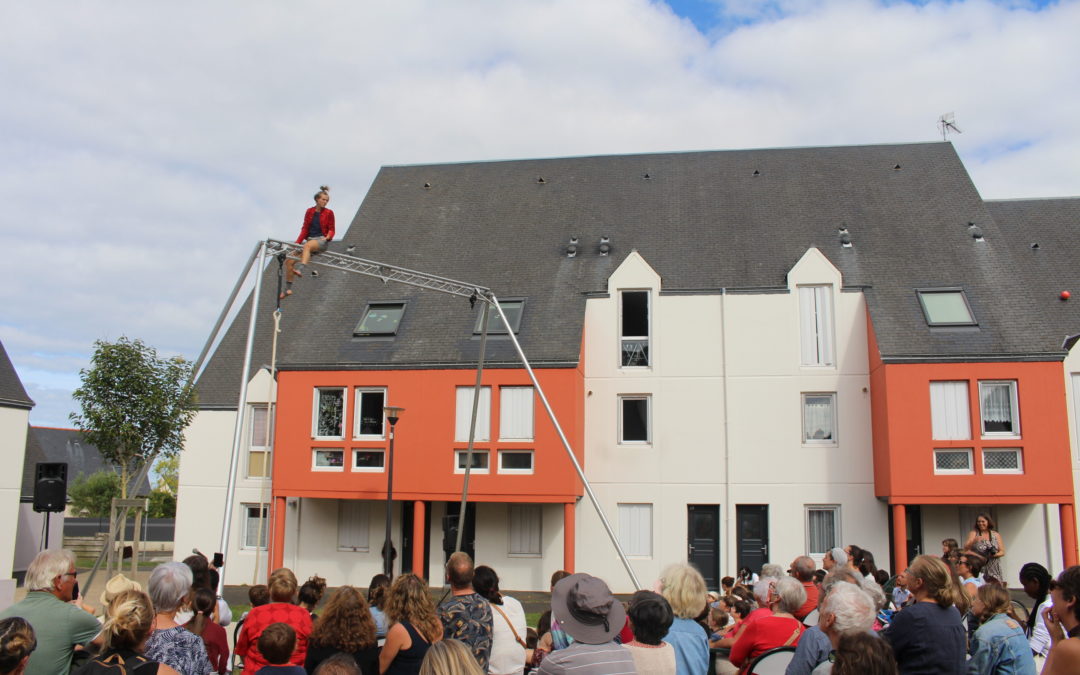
<point x="1040" y="575"/>
<point x="486" y="583"/>
<point x="650" y="617"/>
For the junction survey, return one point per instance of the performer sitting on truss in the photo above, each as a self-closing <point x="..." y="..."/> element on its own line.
<point x="316" y="232"/>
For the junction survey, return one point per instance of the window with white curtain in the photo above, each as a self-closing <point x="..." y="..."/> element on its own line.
<point x="816" y="325"/>
<point x="524" y="530"/>
<point x="354" y="518"/>
<point x="258" y="465"/>
<point x="819" y="419"/>
<point x="635" y="529"/>
<point x="999" y="413"/>
<point x="255" y="525"/>
<point x="953" y="461"/>
<point x="822" y="528"/>
<point x="516" y="413"/>
<point x="464" y="414"/>
<point x="950" y="416"/>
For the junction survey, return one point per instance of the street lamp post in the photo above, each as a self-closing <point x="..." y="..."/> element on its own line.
<point x="392" y="414"/>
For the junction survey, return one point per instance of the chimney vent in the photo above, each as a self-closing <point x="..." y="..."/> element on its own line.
<point x="571" y="249"/>
<point x="605" y="245"/>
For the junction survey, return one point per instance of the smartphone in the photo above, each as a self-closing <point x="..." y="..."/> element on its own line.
<point x="75" y="591"/>
<point x="219" y="560"/>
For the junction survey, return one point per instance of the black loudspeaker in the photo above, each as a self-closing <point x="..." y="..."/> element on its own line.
<point x="50" y="487"/>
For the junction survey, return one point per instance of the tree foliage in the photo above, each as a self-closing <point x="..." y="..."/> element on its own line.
<point x="162" y="505"/>
<point x="168" y="474"/>
<point x="134" y="405"/>
<point x="91" y="496"/>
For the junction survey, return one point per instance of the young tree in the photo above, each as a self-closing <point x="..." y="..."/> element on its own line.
<point x="92" y="495"/>
<point x="135" y="405"/>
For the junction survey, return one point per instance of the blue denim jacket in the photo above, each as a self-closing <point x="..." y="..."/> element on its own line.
<point x="1001" y="648"/>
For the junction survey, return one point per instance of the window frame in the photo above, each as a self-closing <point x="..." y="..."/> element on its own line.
<point x="1019" y="452"/>
<point x="499" y="328"/>
<point x="245" y="509"/>
<point x="622" y="399"/>
<point x="315" y="413"/>
<point x="460" y="453"/>
<point x="1014" y="409"/>
<point x="836" y="515"/>
<point x="368" y="469"/>
<point x="970" y="471"/>
<point x="821" y="442"/>
<point x="965" y="385"/>
<point x="333" y="469"/>
<point x="920" y="292"/>
<point x="531" y="416"/>
<point x="634" y="553"/>
<point x="358" y="396"/>
<point x="538" y="509"/>
<point x="647" y="292"/>
<point x="517" y="472"/>
<point x="364" y="517"/>
<point x="483" y="432"/>
<point x="367" y="310"/>
<point x="823" y="326"/>
<point x="252" y="449"/>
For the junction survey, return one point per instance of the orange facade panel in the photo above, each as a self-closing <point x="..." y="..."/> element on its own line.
<point x="323" y="452"/>
<point x="969" y="432"/>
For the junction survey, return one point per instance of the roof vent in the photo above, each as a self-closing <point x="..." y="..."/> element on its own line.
<point x="647" y="177"/>
<point x="897" y="167"/>
<point x="605" y="245"/>
<point x="756" y="172"/>
<point x="845" y="236"/>
<point x="571" y="249"/>
<point x="541" y="180"/>
<point x="427" y="186"/>
<point x="976" y="232"/>
<point x="1035" y="246"/>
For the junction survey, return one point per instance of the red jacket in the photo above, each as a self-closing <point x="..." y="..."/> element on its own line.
<point x="326" y="222"/>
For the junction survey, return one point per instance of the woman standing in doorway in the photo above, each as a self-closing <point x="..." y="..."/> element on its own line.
<point x="987" y="542"/>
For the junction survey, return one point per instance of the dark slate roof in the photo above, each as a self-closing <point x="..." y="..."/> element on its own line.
<point x="704" y="221"/>
<point x="1045" y="236"/>
<point x="48" y="444"/>
<point x="12" y="392"/>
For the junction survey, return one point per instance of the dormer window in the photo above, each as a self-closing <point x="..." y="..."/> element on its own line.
<point x="380" y="319"/>
<point x="946" y="307"/>
<point x="511" y="308"/>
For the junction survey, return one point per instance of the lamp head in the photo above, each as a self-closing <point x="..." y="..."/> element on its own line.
<point x="393" y="413"/>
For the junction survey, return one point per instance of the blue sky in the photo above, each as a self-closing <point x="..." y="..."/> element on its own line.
<point x="146" y="148"/>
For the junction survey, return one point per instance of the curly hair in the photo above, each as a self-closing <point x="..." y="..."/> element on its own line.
<point x="378" y="589"/>
<point x="16" y="642"/>
<point x="863" y="654"/>
<point x="345" y="622"/>
<point x="410" y="601"/>
<point x="131" y="618"/>
<point x="312" y="591"/>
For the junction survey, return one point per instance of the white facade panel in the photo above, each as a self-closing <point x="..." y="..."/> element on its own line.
<point x="14" y="423"/>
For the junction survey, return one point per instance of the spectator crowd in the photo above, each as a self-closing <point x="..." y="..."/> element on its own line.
<point x="947" y="614"/>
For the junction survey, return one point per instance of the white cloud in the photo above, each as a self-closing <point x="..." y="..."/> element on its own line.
<point x="147" y="146"/>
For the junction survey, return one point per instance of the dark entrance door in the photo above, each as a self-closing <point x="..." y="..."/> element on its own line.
<point x="450" y="523"/>
<point x="752" y="521"/>
<point x="703" y="541"/>
<point x="408" y="516"/>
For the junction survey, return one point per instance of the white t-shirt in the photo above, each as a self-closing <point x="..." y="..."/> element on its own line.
<point x="1040" y="637"/>
<point x="507" y="656"/>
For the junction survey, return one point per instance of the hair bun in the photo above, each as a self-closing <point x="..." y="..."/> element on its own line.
<point x="324" y="188"/>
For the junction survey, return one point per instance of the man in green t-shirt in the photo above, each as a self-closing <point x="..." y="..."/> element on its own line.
<point x="58" y="625"/>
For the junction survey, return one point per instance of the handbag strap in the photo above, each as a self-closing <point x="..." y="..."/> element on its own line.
<point x="794" y="636"/>
<point x="512" y="629"/>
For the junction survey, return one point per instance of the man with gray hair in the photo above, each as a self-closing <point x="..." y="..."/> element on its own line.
<point x="848" y="609"/>
<point x="814" y="646"/>
<point x="58" y="624"/>
<point x="803" y="568"/>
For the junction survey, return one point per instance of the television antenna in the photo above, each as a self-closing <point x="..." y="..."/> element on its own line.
<point x="947" y="123"/>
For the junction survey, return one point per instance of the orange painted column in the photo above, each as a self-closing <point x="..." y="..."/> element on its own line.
<point x="899" y="534"/>
<point x="568" y="536"/>
<point x="418" y="550"/>
<point x="277" y="550"/>
<point x="1068" y="533"/>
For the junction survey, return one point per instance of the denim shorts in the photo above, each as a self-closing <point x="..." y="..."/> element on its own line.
<point x="322" y="244"/>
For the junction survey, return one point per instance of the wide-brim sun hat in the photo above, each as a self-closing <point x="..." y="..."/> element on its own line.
<point x="585" y="608"/>
<point x="117" y="585"/>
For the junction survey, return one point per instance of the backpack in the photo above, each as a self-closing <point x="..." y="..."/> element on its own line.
<point x="116" y="664"/>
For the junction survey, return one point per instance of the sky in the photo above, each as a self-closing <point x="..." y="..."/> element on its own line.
<point x="147" y="147"/>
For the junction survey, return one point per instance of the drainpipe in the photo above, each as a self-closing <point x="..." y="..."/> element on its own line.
<point x="729" y="504"/>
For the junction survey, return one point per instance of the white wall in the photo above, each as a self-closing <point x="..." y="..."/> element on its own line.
<point x="743" y="349"/>
<point x="29" y="541"/>
<point x="14" y="423"/>
<point x="1072" y="396"/>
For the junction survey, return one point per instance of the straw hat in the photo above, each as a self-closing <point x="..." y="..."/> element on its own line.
<point x="116" y="586"/>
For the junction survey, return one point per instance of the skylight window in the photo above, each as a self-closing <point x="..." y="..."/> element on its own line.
<point x="946" y="307"/>
<point x="513" y="310"/>
<point x="381" y="319"/>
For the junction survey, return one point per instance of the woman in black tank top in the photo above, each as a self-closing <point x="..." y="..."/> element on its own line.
<point x="413" y="626"/>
